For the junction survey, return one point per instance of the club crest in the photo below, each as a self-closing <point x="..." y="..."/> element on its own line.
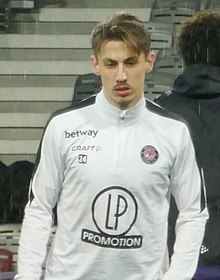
<point x="149" y="154"/>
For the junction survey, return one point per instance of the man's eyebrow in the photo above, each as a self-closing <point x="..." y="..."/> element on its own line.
<point x="109" y="59"/>
<point x="130" y="58"/>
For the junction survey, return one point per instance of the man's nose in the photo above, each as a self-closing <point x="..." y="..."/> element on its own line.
<point x="121" y="75"/>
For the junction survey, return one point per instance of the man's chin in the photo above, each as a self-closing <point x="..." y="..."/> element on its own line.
<point x="123" y="102"/>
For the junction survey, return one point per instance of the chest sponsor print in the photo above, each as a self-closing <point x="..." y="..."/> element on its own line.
<point x="114" y="212"/>
<point x="81" y="133"/>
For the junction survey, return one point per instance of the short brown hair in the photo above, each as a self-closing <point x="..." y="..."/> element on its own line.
<point x="199" y="39"/>
<point x="122" y="27"/>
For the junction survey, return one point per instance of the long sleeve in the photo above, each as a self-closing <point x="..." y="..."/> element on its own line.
<point x="189" y="193"/>
<point x="44" y="191"/>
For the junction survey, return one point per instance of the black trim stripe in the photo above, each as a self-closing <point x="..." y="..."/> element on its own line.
<point x="157" y="109"/>
<point x="203" y="193"/>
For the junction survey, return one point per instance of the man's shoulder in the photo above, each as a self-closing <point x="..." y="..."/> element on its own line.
<point x="159" y="110"/>
<point x="67" y="111"/>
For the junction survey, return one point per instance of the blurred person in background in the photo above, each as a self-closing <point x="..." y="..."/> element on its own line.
<point x="195" y="96"/>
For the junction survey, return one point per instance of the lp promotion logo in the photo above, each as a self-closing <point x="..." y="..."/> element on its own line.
<point x="114" y="212"/>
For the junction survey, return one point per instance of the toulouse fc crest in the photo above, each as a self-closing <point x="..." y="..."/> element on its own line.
<point x="149" y="154"/>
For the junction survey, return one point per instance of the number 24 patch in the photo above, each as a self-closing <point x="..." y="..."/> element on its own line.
<point x="82" y="159"/>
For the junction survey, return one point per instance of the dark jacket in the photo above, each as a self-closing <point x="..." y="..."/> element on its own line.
<point x="195" y="96"/>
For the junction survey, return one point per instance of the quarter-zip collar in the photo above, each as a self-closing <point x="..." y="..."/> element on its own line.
<point x="117" y="116"/>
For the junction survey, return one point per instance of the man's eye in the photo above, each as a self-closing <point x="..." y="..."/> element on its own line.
<point x="109" y="64"/>
<point x="130" y="63"/>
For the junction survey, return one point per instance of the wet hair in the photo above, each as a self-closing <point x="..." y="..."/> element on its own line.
<point x="122" y="27"/>
<point x="198" y="40"/>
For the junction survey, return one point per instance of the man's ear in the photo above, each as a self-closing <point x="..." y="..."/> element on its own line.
<point x="95" y="65"/>
<point x="150" y="60"/>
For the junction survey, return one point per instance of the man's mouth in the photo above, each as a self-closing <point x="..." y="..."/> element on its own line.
<point x="122" y="91"/>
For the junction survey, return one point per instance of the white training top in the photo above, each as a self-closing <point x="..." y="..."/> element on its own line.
<point x="111" y="173"/>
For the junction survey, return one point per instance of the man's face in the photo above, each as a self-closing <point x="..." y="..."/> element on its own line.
<point x="122" y="72"/>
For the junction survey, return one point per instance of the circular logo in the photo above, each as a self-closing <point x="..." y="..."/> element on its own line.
<point x="114" y="210"/>
<point x="149" y="154"/>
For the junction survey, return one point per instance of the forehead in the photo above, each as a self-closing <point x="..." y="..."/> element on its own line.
<point x="116" y="50"/>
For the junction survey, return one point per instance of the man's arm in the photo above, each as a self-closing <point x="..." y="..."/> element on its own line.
<point x="189" y="192"/>
<point x="44" y="190"/>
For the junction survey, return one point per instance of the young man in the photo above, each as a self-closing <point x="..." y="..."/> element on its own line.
<point x="110" y="167"/>
<point x="196" y="97"/>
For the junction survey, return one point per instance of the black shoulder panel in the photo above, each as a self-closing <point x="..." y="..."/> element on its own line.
<point x="157" y="109"/>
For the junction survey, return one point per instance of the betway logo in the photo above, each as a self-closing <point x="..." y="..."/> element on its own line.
<point x="79" y="133"/>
